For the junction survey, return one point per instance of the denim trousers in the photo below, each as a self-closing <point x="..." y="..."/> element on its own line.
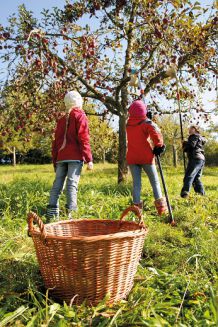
<point x="152" y="174"/>
<point x="193" y="176"/>
<point x="66" y="173"/>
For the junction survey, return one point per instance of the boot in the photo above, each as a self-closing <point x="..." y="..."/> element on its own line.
<point x="52" y="214"/>
<point x="161" y="206"/>
<point x="139" y="205"/>
<point x="184" y="194"/>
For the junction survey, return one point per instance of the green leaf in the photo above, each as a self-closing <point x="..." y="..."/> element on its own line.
<point x="54" y="308"/>
<point x="10" y="317"/>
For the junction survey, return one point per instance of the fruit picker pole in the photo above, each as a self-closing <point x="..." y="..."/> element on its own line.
<point x="172" y="73"/>
<point x="172" y="221"/>
<point x="149" y="113"/>
<point x="180" y="119"/>
<point x="136" y="81"/>
<point x="140" y="87"/>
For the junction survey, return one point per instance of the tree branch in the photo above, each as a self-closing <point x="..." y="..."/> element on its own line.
<point x="128" y="57"/>
<point x="108" y="102"/>
<point x="150" y="57"/>
<point x="163" y="75"/>
<point x="123" y="82"/>
<point x="115" y="22"/>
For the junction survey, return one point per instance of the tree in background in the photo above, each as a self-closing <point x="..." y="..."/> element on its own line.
<point x="19" y="122"/>
<point x="211" y="147"/>
<point x="104" y="140"/>
<point x="33" y="141"/>
<point x="211" y="152"/>
<point x="172" y="139"/>
<point x="171" y="132"/>
<point x="59" y="52"/>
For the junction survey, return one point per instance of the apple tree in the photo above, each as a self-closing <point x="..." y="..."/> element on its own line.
<point x="101" y="47"/>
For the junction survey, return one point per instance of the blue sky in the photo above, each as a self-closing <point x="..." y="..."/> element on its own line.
<point x="8" y="7"/>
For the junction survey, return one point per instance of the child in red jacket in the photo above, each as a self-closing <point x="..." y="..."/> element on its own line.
<point x="70" y="149"/>
<point x="144" y="142"/>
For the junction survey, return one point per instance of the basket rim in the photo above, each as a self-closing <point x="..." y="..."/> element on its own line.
<point x="124" y="234"/>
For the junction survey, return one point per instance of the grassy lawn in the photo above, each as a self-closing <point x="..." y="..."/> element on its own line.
<point x="177" y="279"/>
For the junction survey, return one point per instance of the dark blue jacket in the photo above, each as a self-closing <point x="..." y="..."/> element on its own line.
<point x="194" y="146"/>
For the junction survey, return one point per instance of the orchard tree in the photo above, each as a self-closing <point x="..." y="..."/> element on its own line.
<point x="100" y="47"/>
<point x="15" y="133"/>
<point x="103" y="138"/>
<point x="20" y="122"/>
<point x="26" y="128"/>
<point x="171" y="133"/>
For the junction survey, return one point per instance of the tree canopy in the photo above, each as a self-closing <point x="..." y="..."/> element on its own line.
<point x="103" y="58"/>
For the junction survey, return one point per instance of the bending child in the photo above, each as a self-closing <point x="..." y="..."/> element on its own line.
<point x="140" y="153"/>
<point x="70" y="149"/>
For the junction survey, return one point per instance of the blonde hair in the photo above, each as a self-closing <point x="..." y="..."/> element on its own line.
<point x="65" y="132"/>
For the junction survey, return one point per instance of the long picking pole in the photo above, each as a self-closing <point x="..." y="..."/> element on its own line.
<point x="140" y="86"/>
<point x="180" y="120"/>
<point x="165" y="192"/>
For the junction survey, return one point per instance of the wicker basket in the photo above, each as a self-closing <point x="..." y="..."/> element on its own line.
<point x="88" y="259"/>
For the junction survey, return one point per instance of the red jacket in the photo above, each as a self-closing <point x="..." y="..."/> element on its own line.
<point x="143" y="135"/>
<point x="77" y="139"/>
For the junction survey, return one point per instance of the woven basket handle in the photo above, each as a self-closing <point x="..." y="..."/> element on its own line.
<point x="32" y="217"/>
<point x="136" y="211"/>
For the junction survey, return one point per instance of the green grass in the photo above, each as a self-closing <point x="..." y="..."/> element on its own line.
<point x="176" y="283"/>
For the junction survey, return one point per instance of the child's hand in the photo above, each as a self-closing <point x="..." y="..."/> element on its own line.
<point x="184" y="143"/>
<point x="159" y="150"/>
<point x="90" y="165"/>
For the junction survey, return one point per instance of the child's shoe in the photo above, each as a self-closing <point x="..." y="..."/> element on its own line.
<point x="139" y="206"/>
<point x="184" y="194"/>
<point x="52" y="214"/>
<point x="161" y="206"/>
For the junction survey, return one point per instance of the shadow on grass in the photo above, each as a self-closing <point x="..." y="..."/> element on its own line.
<point x="107" y="171"/>
<point x="111" y="189"/>
<point x="26" y="171"/>
<point x="209" y="172"/>
<point x="211" y="188"/>
<point x="16" y="276"/>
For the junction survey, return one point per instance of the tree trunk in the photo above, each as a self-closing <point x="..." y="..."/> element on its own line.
<point x="14" y="156"/>
<point x="174" y="156"/>
<point x="122" y="165"/>
<point x="103" y="156"/>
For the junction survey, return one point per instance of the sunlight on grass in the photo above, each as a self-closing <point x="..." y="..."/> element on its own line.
<point x="176" y="282"/>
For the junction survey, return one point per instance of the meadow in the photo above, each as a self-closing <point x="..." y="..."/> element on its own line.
<point x="177" y="280"/>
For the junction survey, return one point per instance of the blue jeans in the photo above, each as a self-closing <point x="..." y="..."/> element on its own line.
<point x="72" y="171"/>
<point x="192" y="176"/>
<point x="151" y="171"/>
